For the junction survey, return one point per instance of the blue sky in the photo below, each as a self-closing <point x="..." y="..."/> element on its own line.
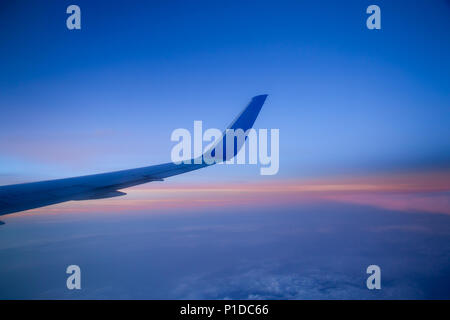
<point x="346" y="99"/>
<point x="364" y="148"/>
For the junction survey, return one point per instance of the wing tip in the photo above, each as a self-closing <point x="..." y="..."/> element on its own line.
<point x="261" y="97"/>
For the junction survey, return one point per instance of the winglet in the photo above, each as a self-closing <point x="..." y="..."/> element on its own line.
<point x="244" y="121"/>
<point x="247" y="117"/>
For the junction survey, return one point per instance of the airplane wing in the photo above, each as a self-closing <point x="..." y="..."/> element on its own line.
<point x="25" y="196"/>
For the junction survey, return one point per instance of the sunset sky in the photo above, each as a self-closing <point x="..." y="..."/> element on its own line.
<point x="364" y="120"/>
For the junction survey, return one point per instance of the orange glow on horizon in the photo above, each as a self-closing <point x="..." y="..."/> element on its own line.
<point x="421" y="192"/>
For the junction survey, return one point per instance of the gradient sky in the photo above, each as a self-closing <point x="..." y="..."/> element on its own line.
<point x="364" y="119"/>
<point x="346" y="99"/>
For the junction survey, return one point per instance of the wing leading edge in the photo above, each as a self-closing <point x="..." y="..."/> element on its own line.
<point x="26" y="196"/>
